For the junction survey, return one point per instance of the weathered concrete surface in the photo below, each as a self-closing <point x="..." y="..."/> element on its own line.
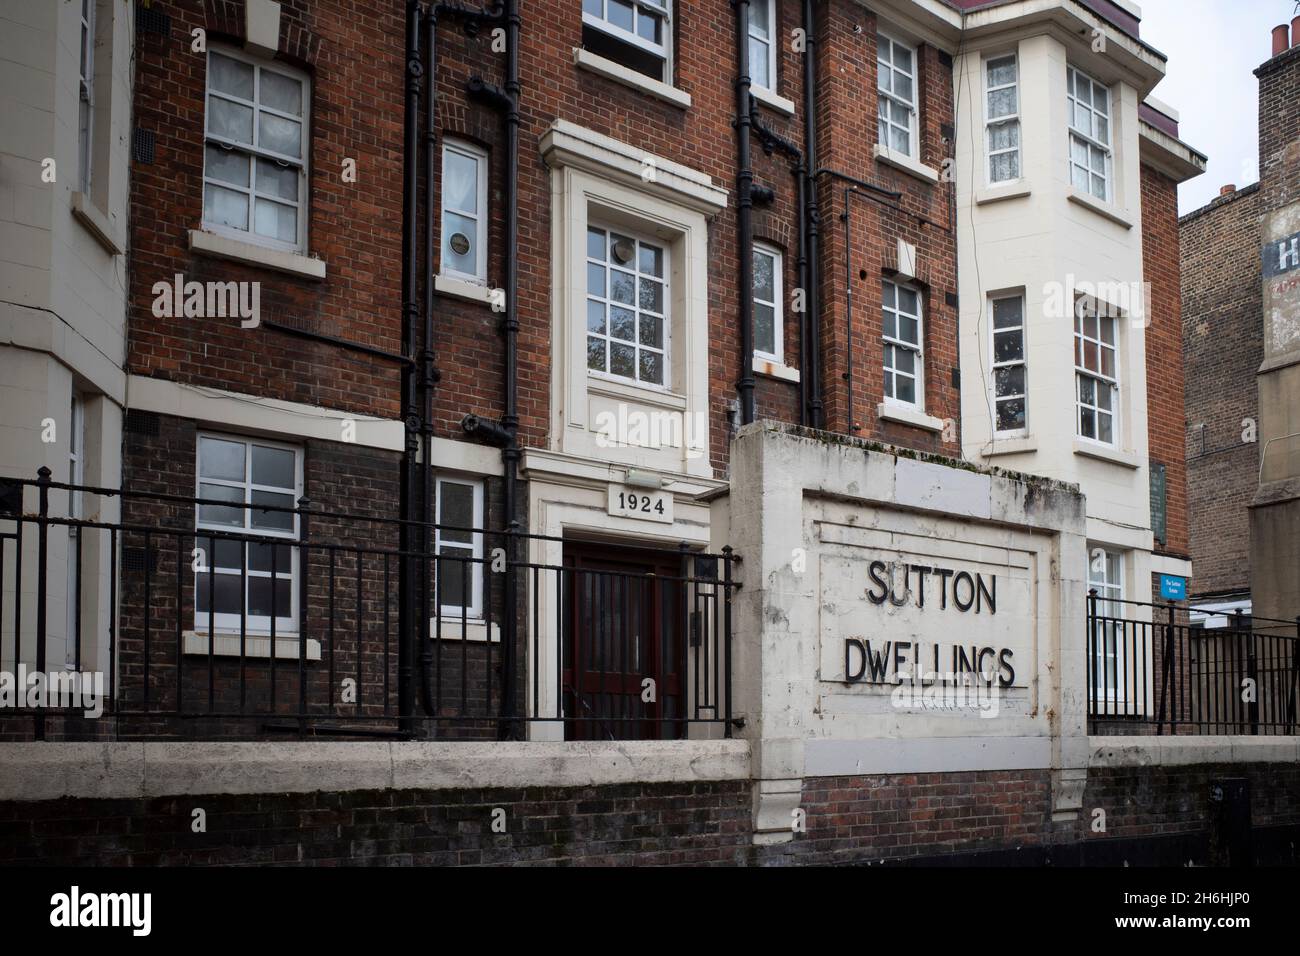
<point x="109" y="770"/>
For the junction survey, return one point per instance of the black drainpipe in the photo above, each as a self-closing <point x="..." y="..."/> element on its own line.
<point x="511" y="454"/>
<point x="407" y="623"/>
<point x="506" y="433"/>
<point x="744" y="218"/>
<point x="428" y="374"/>
<point x="812" y="362"/>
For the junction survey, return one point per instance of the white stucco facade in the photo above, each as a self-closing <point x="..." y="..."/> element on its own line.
<point x="1041" y="237"/>
<point x="63" y="282"/>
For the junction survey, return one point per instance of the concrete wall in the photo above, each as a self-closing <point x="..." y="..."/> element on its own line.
<point x="810" y="514"/>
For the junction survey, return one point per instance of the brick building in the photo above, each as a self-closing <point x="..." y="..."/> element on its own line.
<point x="1241" y="404"/>
<point x="544" y="373"/>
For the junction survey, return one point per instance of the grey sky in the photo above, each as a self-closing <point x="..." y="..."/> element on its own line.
<point x="1213" y="48"/>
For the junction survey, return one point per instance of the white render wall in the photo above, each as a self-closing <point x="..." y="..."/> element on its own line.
<point x="62" y="288"/>
<point x="1032" y="236"/>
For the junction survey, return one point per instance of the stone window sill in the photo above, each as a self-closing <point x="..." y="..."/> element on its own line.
<point x="1000" y="192"/>
<point x="475" y="630"/>
<point x="89" y="215"/>
<point x="463" y="289"/>
<point x="906" y="415"/>
<point x="1021" y="445"/>
<point x="774" y="369"/>
<point x="1103" y="209"/>
<point x="773" y="101"/>
<point x="587" y="60"/>
<point x="249" y="253"/>
<point x="226" y="644"/>
<point x="1114" y="456"/>
<point x="907" y="164"/>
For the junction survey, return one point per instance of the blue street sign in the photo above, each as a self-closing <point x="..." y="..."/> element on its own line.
<point x="1173" y="587"/>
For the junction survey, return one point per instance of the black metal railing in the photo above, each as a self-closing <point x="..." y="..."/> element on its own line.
<point x="1150" y="670"/>
<point x="290" y="624"/>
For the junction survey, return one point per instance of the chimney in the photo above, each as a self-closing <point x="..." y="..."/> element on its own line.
<point x="1281" y="39"/>
<point x="1227" y="190"/>
<point x="1295" y="32"/>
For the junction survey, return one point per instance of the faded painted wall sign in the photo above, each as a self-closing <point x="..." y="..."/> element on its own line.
<point x="1280" y="262"/>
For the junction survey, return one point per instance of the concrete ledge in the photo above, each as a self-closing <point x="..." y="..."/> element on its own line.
<point x="1177" y="751"/>
<point x="841" y="758"/>
<point x="114" y="770"/>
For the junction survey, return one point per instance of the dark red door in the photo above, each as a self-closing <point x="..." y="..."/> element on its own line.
<point x="623" y="648"/>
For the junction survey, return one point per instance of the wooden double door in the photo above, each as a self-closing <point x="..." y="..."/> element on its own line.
<point x="624" y="647"/>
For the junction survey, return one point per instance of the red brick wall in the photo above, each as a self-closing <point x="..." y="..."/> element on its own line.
<point x="1222" y="350"/>
<point x="1162" y="815"/>
<point x="1164" y="333"/>
<point x="920" y="216"/>
<point x="354" y="55"/>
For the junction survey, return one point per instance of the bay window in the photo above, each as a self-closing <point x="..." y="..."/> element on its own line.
<point x="1010" y="386"/>
<point x="1096" y="373"/>
<point x="1002" y="118"/>
<point x="1088" y="107"/>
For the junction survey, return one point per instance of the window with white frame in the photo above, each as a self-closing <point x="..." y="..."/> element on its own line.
<point x="769" y="321"/>
<point x="464" y="211"/>
<point x="1106" y="577"/>
<point x="634" y="33"/>
<point x="1002" y="117"/>
<point x="86" y="96"/>
<point x="458" y="543"/>
<point x="762" y="45"/>
<point x="246" y="580"/>
<point x="901" y="322"/>
<point x="1088" y="104"/>
<point x="896" y="100"/>
<point x="1096" y="366"/>
<point x="1009" y="364"/>
<point x="627" y="306"/>
<point x="255" y="158"/>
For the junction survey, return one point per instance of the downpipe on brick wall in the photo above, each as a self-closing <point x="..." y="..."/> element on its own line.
<point x="505" y="433"/>
<point x="744" y="215"/>
<point x="407" y="624"/>
<point x="417" y="634"/>
<point x="810" y="226"/>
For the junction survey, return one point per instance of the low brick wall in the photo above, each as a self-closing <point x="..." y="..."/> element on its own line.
<point x="638" y="804"/>
<point x="697" y="824"/>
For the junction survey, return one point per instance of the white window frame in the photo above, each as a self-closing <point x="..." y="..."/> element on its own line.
<point x="1089" y="138"/>
<point x="996" y="365"/>
<point x="302" y="163"/>
<point x="1011" y="119"/>
<point x="777" y="355"/>
<point x="917" y="348"/>
<point x="663" y="51"/>
<point x="86" y="96"/>
<point x="767" y="42"/>
<point x="258" y="624"/>
<point x="883" y="123"/>
<point x="1104" y="663"/>
<point x="1098" y="378"/>
<point x="666" y="317"/>
<point x="450" y="613"/>
<point x="481" y="219"/>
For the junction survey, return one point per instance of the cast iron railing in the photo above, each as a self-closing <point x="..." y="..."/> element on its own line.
<point x="1151" y="671"/>
<point x="180" y="623"/>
